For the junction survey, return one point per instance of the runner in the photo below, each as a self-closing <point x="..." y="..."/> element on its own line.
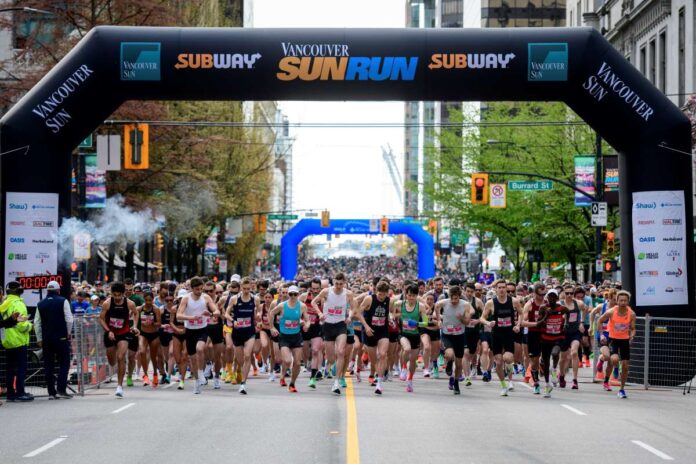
<point x="149" y="323"/>
<point x="262" y="345"/>
<point x="622" y="329"/>
<point x="232" y="375"/>
<point x="312" y="337"/>
<point x="291" y="313"/>
<point x="215" y="345"/>
<point x="266" y="326"/>
<point x="602" y="336"/>
<point x="335" y="300"/>
<point x="194" y="310"/>
<point x="430" y="334"/>
<point x="410" y="311"/>
<point x="456" y="313"/>
<point x="552" y="319"/>
<point x="573" y="333"/>
<point x="373" y="315"/>
<point x="179" y="342"/>
<point x="529" y="320"/>
<point x="115" y="319"/>
<point x="242" y="313"/>
<point x="472" y="332"/>
<point x="502" y="310"/>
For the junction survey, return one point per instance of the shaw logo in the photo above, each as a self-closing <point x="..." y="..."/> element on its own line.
<point x="646" y="223"/>
<point x="547" y="62"/>
<point x="470" y="60"/>
<point x="639" y="205"/>
<point x="17" y="256"/>
<point x="646" y="239"/>
<point x="16" y="239"/>
<point x="18" y="206"/>
<point x="17" y="223"/>
<point x="671" y="222"/>
<point x="140" y="61"/>
<point x="42" y="223"/>
<point x="649" y="291"/>
<point x="648" y="255"/>
<point x="217" y="60"/>
<point x="676" y="273"/>
<point x="648" y="273"/>
<point x="672" y="239"/>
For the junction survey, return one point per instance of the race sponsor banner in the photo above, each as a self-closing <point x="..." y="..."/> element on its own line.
<point x="95" y="183"/>
<point x="211" y="243"/>
<point x="81" y="246"/>
<point x="31" y="248"/>
<point x="659" y="246"/>
<point x="584" y="179"/>
<point x="234" y="228"/>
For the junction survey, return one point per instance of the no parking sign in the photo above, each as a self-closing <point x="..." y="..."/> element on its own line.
<point x="497" y="197"/>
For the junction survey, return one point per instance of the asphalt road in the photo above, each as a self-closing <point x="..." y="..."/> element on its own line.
<point x="313" y="426"/>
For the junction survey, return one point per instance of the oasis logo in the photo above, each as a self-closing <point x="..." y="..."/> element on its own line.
<point x="16" y="239"/>
<point x="648" y="273"/>
<point x="648" y="255"/>
<point x="547" y="62"/>
<point x="599" y="85"/>
<point x="42" y="223"/>
<point x="55" y="118"/>
<point x="652" y="205"/>
<point x="332" y="62"/>
<point x="17" y="256"/>
<point x="671" y="222"/>
<point x="676" y="273"/>
<point x="646" y="239"/>
<point x="18" y="206"/>
<point x="646" y="223"/>
<point x="217" y="60"/>
<point x="470" y="60"/>
<point x="140" y="61"/>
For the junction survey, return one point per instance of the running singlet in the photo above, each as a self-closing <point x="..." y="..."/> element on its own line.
<point x="243" y="314"/>
<point x="619" y="325"/>
<point x="335" y="307"/>
<point x="474" y="324"/>
<point x="166" y="318"/>
<point x="533" y="316"/>
<point x="574" y="317"/>
<point x="503" y="315"/>
<point x="118" y="319"/>
<point x="451" y="325"/>
<point x="605" y="324"/>
<point x="378" y="313"/>
<point x="406" y="316"/>
<point x="147" y="318"/>
<point x="196" y="308"/>
<point x="313" y="316"/>
<point x="554" y="324"/>
<point x="290" y="320"/>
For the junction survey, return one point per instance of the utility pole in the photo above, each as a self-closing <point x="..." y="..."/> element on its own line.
<point x="599" y="195"/>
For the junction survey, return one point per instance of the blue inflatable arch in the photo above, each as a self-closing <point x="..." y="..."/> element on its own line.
<point x="307" y="227"/>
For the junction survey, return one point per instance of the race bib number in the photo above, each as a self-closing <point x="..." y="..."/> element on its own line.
<point x="147" y="319"/>
<point x="621" y="327"/>
<point x="573" y="317"/>
<point x="450" y="329"/>
<point x="553" y="327"/>
<point x="404" y="324"/>
<point x="292" y="324"/>
<point x="264" y="319"/>
<point x="379" y="321"/>
<point x="505" y="322"/>
<point x="313" y="318"/>
<point x="199" y="321"/>
<point x="116" y="323"/>
<point x="335" y="311"/>
<point x="168" y="329"/>
<point x="243" y="322"/>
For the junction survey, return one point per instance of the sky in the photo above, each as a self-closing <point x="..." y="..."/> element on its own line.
<point x="355" y="181"/>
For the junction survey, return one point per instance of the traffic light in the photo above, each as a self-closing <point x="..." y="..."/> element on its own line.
<point x="432" y="227"/>
<point x="384" y="225"/>
<point x="479" y="188"/>
<point x="610" y="265"/>
<point x="260" y="223"/>
<point x="610" y="243"/>
<point x="325" y="218"/>
<point x="159" y="240"/>
<point x="136" y="146"/>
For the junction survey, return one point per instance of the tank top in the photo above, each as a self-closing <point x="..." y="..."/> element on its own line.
<point x="378" y="313"/>
<point x="147" y="319"/>
<point x="406" y="316"/>
<point x="313" y="315"/>
<point x="165" y="319"/>
<point x="335" y="307"/>
<point x="605" y="324"/>
<point x="243" y="314"/>
<point x="574" y="318"/>
<point x="473" y="324"/>
<point x="619" y="326"/>
<point x="533" y="316"/>
<point x="119" y="317"/>
<point x="451" y="325"/>
<point x="553" y="329"/>
<point x="503" y="315"/>
<point x="290" y="320"/>
<point x="195" y="308"/>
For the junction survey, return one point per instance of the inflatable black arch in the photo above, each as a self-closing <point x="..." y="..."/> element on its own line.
<point x="576" y="66"/>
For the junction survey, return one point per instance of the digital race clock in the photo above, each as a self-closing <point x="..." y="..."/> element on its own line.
<point x="38" y="282"/>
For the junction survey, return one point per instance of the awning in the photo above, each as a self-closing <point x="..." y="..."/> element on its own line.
<point x="103" y="254"/>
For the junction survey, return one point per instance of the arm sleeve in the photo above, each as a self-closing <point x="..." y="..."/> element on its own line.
<point x="68" y="316"/>
<point x="37" y="325"/>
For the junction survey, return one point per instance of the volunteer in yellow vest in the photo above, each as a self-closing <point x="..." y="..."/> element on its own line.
<point x="16" y="341"/>
<point x="622" y="329"/>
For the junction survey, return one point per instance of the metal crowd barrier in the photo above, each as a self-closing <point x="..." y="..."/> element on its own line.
<point x="92" y="368"/>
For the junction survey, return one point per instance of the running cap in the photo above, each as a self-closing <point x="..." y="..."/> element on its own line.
<point x="182" y="293"/>
<point x="552" y="292"/>
<point x="293" y="289"/>
<point x="94" y="297"/>
<point x="235" y="278"/>
<point x="539" y="286"/>
<point x="53" y="285"/>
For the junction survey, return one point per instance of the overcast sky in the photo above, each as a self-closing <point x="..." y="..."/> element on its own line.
<point x="356" y="182"/>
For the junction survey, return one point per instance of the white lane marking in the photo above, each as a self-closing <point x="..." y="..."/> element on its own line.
<point x="572" y="409"/>
<point x="123" y="408"/>
<point x="654" y="451"/>
<point x="45" y="447"/>
<point x="524" y="384"/>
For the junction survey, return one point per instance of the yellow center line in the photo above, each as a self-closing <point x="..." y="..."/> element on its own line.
<point x="352" y="448"/>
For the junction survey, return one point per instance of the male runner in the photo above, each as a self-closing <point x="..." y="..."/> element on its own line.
<point x="373" y="315"/>
<point x="622" y="329"/>
<point x="215" y="345"/>
<point x="430" y="335"/>
<point x="149" y="322"/>
<point x="573" y="333"/>
<point x="529" y="320"/>
<point x="552" y="319"/>
<point x="410" y="311"/>
<point x="456" y="313"/>
<point x="312" y="336"/>
<point x="472" y="331"/>
<point x="242" y="312"/>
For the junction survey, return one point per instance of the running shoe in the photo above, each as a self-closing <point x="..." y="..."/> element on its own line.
<point x="155" y="380"/>
<point x="436" y="372"/>
<point x="242" y="389"/>
<point x="554" y="377"/>
<point x="262" y="369"/>
<point x="208" y="372"/>
<point x="537" y="390"/>
<point x="457" y="391"/>
<point x="547" y="391"/>
<point x="426" y="373"/>
<point x="196" y="388"/>
<point x="228" y="377"/>
<point x="272" y="377"/>
<point x="448" y="368"/>
<point x="129" y="381"/>
<point x="312" y="383"/>
<point x="461" y="378"/>
<point x="181" y="385"/>
<point x="256" y="371"/>
<point x="357" y="375"/>
<point x="319" y="375"/>
<point x="467" y="382"/>
<point x="451" y="383"/>
<point x="396" y="372"/>
<point x="342" y="382"/>
<point x="378" y="389"/>
<point x="409" y="386"/>
<point x="239" y="376"/>
<point x="216" y="383"/>
<point x="292" y="389"/>
<point x="504" y="391"/>
<point x="575" y="384"/>
<point x="478" y="369"/>
<point x="440" y="360"/>
<point x="333" y="369"/>
<point x="606" y="386"/>
<point x="282" y="382"/>
<point x="146" y="380"/>
<point x="622" y="394"/>
<point x="335" y="389"/>
<point x="561" y="381"/>
<point x="371" y="379"/>
<point x="511" y="386"/>
<point x="119" y="392"/>
<point x="403" y="375"/>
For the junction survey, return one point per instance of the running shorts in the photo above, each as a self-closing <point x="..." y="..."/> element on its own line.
<point x="472" y="339"/>
<point x="565" y="344"/>
<point x="520" y="338"/>
<point x="291" y="340"/>
<point x="377" y="335"/>
<point x="454" y="342"/>
<point x="126" y="337"/>
<point x="413" y="339"/>
<point x="503" y="342"/>
<point x="622" y="347"/>
<point x="150" y="337"/>
<point x="193" y="336"/>
<point x="215" y="333"/>
<point x="240" y="337"/>
<point x="181" y="337"/>
<point x="486" y="337"/>
<point x="165" y="338"/>
<point x="332" y="331"/>
<point x="133" y="342"/>
<point x="350" y="340"/>
<point x="313" y="332"/>
<point x="433" y="333"/>
<point x="534" y="344"/>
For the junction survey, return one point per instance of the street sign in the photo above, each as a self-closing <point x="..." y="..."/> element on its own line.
<point x="282" y="217"/>
<point x="598" y="265"/>
<point x="459" y="237"/>
<point x="497" y="196"/>
<point x="311" y="214"/>
<point x="529" y="185"/>
<point x="86" y="143"/>
<point x="599" y="213"/>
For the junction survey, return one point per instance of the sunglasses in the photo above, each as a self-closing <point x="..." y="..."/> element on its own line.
<point x="293" y="294"/>
<point x="169" y="300"/>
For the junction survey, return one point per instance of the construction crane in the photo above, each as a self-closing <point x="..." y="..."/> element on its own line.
<point x="390" y="161"/>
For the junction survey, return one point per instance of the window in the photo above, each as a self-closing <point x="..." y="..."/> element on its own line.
<point x="681" y="52"/>
<point x="653" y="61"/>
<point x="578" y="14"/>
<point x="662" y="70"/>
<point x="641" y="61"/>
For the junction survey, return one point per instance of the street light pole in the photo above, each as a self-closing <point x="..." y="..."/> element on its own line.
<point x="599" y="194"/>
